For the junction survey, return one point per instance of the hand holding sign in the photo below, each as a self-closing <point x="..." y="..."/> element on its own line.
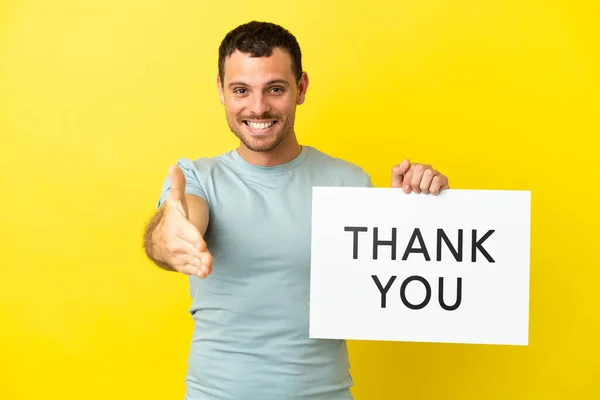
<point x="418" y="178"/>
<point x="177" y="242"/>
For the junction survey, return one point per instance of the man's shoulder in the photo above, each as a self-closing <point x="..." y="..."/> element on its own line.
<point x="338" y="164"/>
<point x="204" y="164"/>
<point x="198" y="173"/>
<point x="339" y="169"/>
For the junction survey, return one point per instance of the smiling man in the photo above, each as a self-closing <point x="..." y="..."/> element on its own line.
<point x="261" y="83"/>
<point x="260" y="98"/>
<point x="239" y="225"/>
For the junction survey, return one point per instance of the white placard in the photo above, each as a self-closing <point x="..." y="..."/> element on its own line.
<point x="451" y="268"/>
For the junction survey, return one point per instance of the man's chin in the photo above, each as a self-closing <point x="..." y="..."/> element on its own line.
<point x="261" y="144"/>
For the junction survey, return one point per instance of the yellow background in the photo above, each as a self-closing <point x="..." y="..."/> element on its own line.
<point x="97" y="98"/>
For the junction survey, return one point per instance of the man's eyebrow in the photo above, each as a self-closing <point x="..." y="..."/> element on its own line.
<point x="271" y="82"/>
<point x="237" y="83"/>
<point x="278" y="81"/>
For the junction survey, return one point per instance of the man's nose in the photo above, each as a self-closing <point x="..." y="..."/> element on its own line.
<point x="259" y="104"/>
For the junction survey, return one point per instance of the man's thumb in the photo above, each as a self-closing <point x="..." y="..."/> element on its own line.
<point x="398" y="173"/>
<point x="177" y="178"/>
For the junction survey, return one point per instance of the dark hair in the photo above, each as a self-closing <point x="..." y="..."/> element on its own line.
<point x="259" y="39"/>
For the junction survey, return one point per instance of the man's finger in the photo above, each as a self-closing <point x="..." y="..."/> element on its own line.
<point x="207" y="261"/>
<point x="427" y="180"/>
<point x="406" y="186"/>
<point x="200" y="265"/>
<point x="398" y="173"/>
<point x="188" y="259"/>
<point x="190" y="269"/>
<point x="417" y="176"/>
<point x="185" y="263"/>
<point x="439" y="182"/>
<point x="182" y="246"/>
<point x="177" y="191"/>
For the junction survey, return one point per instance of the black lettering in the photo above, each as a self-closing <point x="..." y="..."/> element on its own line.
<point x="383" y="290"/>
<point x="377" y="242"/>
<point x="355" y="229"/>
<point x="441" y="235"/>
<point x="477" y="245"/>
<point x="427" y="294"/>
<point x="409" y="249"/>
<point x="458" y="295"/>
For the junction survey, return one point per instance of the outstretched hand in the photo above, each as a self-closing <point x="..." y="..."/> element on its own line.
<point x="178" y="243"/>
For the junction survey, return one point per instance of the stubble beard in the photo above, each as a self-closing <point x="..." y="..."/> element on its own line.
<point x="237" y="127"/>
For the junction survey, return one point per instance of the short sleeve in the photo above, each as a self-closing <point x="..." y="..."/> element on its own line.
<point x="193" y="184"/>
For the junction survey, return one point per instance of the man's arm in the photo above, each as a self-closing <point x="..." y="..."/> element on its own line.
<point x="173" y="239"/>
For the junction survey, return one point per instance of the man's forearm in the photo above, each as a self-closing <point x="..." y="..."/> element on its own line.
<point x="150" y="243"/>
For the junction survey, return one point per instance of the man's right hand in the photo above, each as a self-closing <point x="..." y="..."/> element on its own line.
<point x="176" y="242"/>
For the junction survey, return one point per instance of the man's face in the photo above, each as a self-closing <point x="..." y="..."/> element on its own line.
<point x="260" y="97"/>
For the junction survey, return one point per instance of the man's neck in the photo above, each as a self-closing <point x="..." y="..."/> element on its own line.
<point x="285" y="152"/>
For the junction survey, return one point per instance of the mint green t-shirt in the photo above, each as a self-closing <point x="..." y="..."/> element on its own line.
<point x="251" y="315"/>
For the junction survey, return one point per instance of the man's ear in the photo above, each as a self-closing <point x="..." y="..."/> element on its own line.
<point x="220" y="87"/>
<point x="302" y="87"/>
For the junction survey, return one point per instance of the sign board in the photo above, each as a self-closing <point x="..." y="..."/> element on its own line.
<point x="391" y="266"/>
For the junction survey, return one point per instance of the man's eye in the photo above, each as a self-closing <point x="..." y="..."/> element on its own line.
<point x="240" y="91"/>
<point x="277" y="90"/>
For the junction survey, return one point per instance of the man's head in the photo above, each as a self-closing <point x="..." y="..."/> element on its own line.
<point x="260" y="83"/>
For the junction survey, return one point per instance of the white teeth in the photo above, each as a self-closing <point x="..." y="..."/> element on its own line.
<point x="263" y="125"/>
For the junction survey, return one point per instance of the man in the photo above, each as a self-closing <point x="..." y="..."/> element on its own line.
<point x="239" y="226"/>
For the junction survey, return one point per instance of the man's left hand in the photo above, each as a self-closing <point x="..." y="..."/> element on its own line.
<point x="418" y="178"/>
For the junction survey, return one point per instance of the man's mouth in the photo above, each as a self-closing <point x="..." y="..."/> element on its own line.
<point x="259" y="126"/>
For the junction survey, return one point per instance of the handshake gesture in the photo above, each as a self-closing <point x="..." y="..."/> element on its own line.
<point x="174" y="238"/>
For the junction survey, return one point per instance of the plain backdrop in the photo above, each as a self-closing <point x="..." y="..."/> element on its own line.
<point x="97" y="99"/>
